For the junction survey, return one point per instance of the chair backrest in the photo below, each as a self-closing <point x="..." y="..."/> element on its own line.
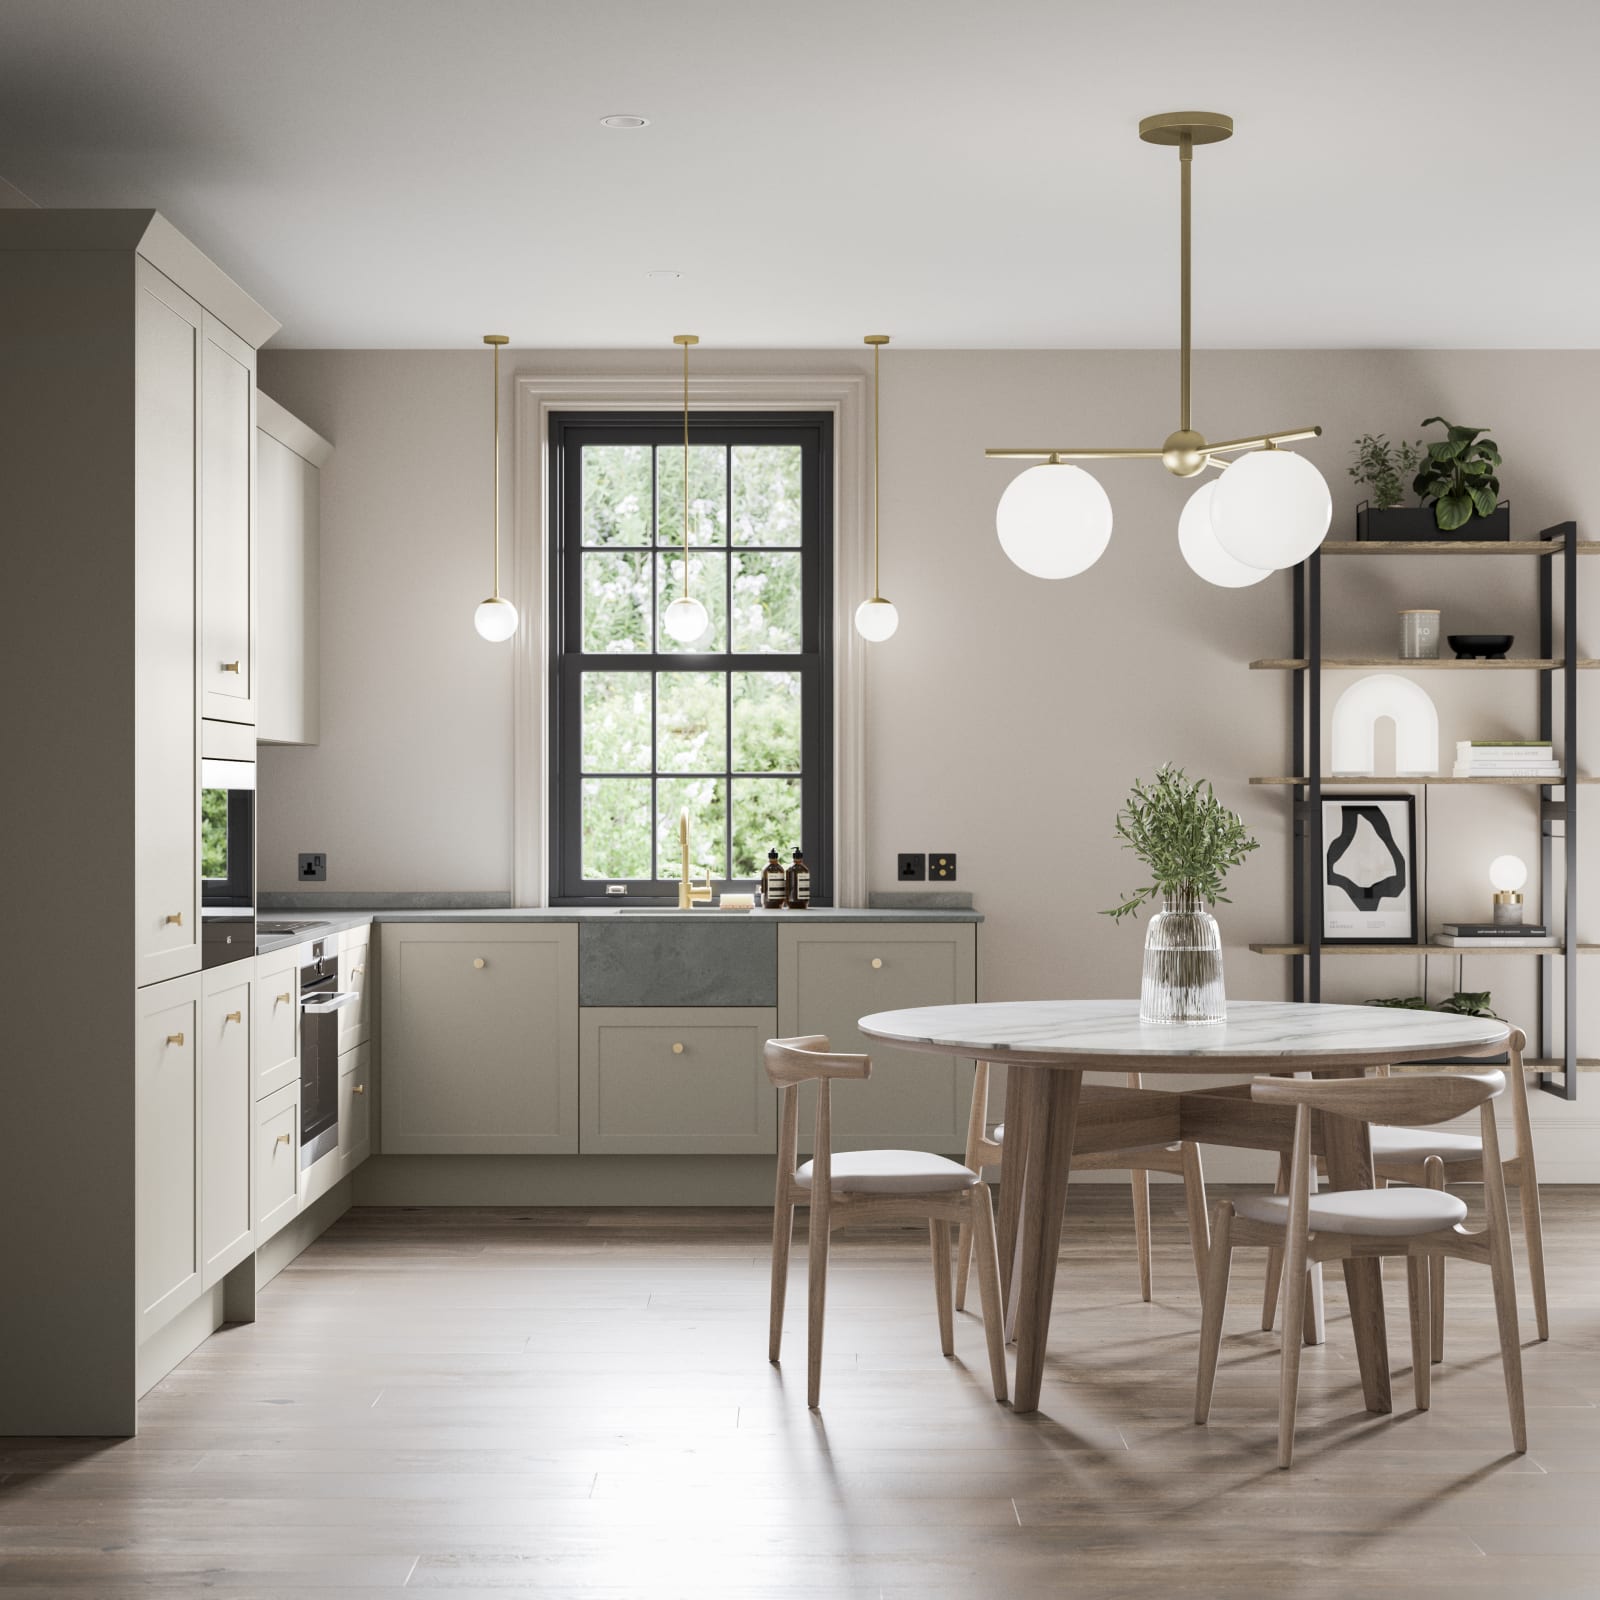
<point x="795" y="1061"/>
<point x="789" y="1063"/>
<point x="1412" y="1101"/>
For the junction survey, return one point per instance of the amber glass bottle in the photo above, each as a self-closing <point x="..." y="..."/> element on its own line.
<point x="797" y="884"/>
<point x="774" y="884"/>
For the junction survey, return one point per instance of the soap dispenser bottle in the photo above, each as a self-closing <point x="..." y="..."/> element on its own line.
<point x="774" y="885"/>
<point x="797" y="884"/>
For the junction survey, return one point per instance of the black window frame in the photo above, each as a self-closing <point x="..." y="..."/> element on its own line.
<point x="568" y="433"/>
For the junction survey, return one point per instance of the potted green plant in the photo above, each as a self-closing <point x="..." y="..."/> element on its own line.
<point x="1189" y="841"/>
<point x="1460" y="481"/>
<point x="1463" y="1003"/>
<point x="1381" y="468"/>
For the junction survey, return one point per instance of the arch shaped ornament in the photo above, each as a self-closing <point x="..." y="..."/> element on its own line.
<point x="1355" y="726"/>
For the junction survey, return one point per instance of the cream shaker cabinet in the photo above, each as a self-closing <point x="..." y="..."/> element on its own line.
<point x="226" y="1122"/>
<point x="166" y="782"/>
<point x="355" y="946"/>
<point x="275" y="1172"/>
<point x="479" y="1028"/>
<point x="831" y="975"/>
<point x="277" y="1021"/>
<point x="355" y="1108"/>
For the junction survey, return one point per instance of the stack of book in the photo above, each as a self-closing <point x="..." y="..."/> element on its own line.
<point x="1506" y="758"/>
<point x="1487" y="935"/>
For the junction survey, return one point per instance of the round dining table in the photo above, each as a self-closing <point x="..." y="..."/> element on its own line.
<point x="1048" y="1045"/>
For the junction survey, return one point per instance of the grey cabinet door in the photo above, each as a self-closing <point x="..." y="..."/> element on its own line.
<point x="479" y="1030"/>
<point x="831" y="976"/>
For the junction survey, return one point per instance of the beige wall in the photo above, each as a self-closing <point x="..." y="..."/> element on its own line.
<point x="1008" y="716"/>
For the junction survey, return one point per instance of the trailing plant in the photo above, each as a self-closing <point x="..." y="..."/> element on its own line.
<point x="1381" y="466"/>
<point x="1187" y="838"/>
<point x="1463" y="1003"/>
<point x="1459" y="477"/>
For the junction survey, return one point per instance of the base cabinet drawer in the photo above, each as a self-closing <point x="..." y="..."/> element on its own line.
<point x="277" y="1161"/>
<point x="277" y="1006"/>
<point x="675" y="1081"/>
<point x="354" y="960"/>
<point x="832" y="975"/>
<point x="355" y="1108"/>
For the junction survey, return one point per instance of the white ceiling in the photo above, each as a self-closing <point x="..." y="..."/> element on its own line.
<point x="414" y="172"/>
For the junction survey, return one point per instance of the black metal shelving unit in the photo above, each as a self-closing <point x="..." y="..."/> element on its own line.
<point x="1558" y="819"/>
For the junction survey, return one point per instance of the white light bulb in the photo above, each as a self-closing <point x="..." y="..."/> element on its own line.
<point x="1054" y="521"/>
<point x="1271" y="509"/>
<point x="686" y="620"/>
<point x="876" y="619"/>
<point x="495" y="619"/>
<point x="1508" y="873"/>
<point x="1198" y="541"/>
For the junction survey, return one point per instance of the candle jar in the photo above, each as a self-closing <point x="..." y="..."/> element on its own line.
<point x="1419" y="635"/>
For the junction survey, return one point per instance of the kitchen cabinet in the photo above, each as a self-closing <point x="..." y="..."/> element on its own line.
<point x="675" y="1081"/>
<point x="479" y="1033"/>
<point x="355" y="1108"/>
<point x="226" y="1120"/>
<point x="275" y="1170"/>
<point x="166" y="1200"/>
<point x="289" y="462"/>
<point x="227" y="524"/>
<point x="276" y="1000"/>
<point x="354" y="960"/>
<point x="832" y="974"/>
<point x="166" y="762"/>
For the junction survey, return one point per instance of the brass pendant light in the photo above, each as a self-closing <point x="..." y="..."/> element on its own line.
<point x="876" y="619"/>
<point x="496" y="617"/>
<point x="686" y="620"/>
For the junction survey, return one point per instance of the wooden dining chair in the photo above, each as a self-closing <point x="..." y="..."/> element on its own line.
<point x="868" y="1186"/>
<point x="1436" y="1159"/>
<point x="986" y="1149"/>
<point x="1421" y="1224"/>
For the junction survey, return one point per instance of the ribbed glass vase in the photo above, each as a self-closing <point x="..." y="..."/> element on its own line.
<point x="1182" y="964"/>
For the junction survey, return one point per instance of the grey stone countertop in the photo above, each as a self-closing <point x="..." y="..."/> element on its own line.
<point x="329" y="919"/>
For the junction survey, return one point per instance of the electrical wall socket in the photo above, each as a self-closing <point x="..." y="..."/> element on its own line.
<point x="912" y="868"/>
<point x="941" y="867"/>
<point x="314" y="868"/>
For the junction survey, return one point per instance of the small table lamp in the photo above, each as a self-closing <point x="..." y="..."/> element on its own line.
<point x="1508" y="874"/>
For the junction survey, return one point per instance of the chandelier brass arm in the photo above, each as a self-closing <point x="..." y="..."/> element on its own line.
<point x="1261" y="441"/>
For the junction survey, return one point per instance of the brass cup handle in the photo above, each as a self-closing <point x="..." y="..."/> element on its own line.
<point x="175" y="1038"/>
<point x="234" y="1016"/>
<point x="677" y="1049"/>
<point x="230" y="666"/>
<point x="282" y="1138"/>
<point x="355" y="972"/>
<point x="173" y="916"/>
<point x="479" y="963"/>
<point x="358" y="1088"/>
<point x="877" y="961"/>
<point x="282" y="999"/>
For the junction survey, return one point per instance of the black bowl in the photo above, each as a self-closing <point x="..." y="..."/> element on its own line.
<point x="1480" y="646"/>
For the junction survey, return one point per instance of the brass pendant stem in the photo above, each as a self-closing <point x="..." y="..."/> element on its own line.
<point x="1185" y="167"/>
<point x="496" y="472"/>
<point x="877" y="457"/>
<point x="686" y="503"/>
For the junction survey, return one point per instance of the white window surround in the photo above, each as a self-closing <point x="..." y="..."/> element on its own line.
<point x="844" y="397"/>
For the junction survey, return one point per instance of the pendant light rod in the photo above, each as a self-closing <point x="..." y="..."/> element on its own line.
<point x="877" y="341"/>
<point x="1186" y="169"/>
<point x="496" y="340"/>
<point x="686" y="339"/>
<point x="1258" y="441"/>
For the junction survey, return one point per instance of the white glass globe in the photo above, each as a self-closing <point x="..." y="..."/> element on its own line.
<point x="1054" y="521"/>
<point x="1508" y="873"/>
<point x="495" y="619"/>
<point x="1271" y="509"/>
<point x="686" y="620"/>
<point x="876" y="619"/>
<point x="1198" y="542"/>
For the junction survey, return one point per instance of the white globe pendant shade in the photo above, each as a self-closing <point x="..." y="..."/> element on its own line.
<point x="1271" y="509"/>
<point x="495" y="619"/>
<point x="686" y="620"/>
<point x="876" y="619"/>
<point x="1054" y="521"/>
<point x="1198" y="542"/>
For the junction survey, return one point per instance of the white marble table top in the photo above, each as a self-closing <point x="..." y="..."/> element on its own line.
<point x="1257" y="1035"/>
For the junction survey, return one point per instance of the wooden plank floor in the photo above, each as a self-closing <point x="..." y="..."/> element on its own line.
<point x="503" y="1404"/>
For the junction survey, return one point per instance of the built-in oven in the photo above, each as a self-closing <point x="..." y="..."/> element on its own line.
<point x="227" y="843"/>
<point x="321" y="1001"/>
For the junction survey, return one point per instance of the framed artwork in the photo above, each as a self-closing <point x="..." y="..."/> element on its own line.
<point x="1369" y="869"/>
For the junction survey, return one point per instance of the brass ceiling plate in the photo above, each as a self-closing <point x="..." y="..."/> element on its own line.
<point x="1202" y="127"/>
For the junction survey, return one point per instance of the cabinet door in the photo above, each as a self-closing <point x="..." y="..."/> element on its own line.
<point x="166" y="1211"/>
<point x="166" y="781"/>
<point x="355" y="1108"/>
<point x="831" y="976"/>
<point x="275" y="1178"/>
<point x="288" y="544"/>
<point x="277" y="1021"/>
<point x="226" y="1120"/>
<point x="675" y="1081"/>
<point x="227" y="524"/>
<point x="480" y="1038"/>
<point x="354" y="961"/>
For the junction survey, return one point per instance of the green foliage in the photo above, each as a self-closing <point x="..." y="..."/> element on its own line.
<point x="213" y="833"/>
<point x="1186" y="837"/>
<point x="1458" y="477"/>
<point x="1463" y="1003"/>
<point x="1381" y="465"/>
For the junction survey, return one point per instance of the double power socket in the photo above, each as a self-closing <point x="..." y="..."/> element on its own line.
<point x="936" y="866"/>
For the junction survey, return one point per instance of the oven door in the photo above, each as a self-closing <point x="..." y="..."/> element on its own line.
<point x="320" y="1005"/>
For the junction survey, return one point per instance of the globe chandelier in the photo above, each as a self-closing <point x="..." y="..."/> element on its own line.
<point x="1268" y="509"/>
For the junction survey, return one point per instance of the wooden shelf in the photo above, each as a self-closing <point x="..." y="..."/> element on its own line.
<point x="1383" y="664"/>
<point x="1585" y="1064"/>
<point x="1418" y="949"/>
<point x="1411" y="783"/>
<point x="1453" y="547"/>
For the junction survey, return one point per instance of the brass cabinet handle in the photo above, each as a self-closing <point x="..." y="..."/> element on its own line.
<point x="282" y="1138"/>
<point x="175" y="916"/>
<point x="282" y="999"/>
<point x="230" y="666"/>
<point x="479" y="962"/>
<point x="677" y="1049"/>
<point x="234" y="1016"/>
<point x="355" y="972"/>
<point x="358" y="1088"/>
<point x="877" y="961"/>
<point x="175" y="1038"/>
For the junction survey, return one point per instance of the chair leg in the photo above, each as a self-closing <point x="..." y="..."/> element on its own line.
<point x="782" y="1232"/>
<point x="963" y="1263"/>
<point x="1312" y="1330"/>
<point x="1214" y="1303"/>
<point x="1294" y="1296"/>
<point x="1420" y="1296"/>
<point x="1269" y="1302"/>
<point x="1141" y="1227"/>
<point x="817" y="1297"/>
<point x="1433" y="1176"/>
<point x="1505" y="1305"/>
<point x="994" y="1318"/>
<point x="1194" y="1199"/>
<point x="1533" y="1234"/>
<point x="939" y="1238"/>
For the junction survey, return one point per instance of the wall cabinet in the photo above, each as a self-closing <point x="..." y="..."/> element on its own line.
<point x="226" y="1123"/>
<point x="479" y="1031"/>
<point x="832" y="974"/>
<point x="227" y="524"/>
<point x="355" y="1108"/>
<point x="275" y="1169"/>
<point x="276" y="998"/>
<point x="675" y="1081"/>
<point x="166" y="1200"/>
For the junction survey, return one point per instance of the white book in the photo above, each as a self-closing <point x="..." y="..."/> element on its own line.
<point x="1464" y="941"/>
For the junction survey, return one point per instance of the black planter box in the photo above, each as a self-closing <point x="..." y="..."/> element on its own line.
<point x="1415" y="524"/>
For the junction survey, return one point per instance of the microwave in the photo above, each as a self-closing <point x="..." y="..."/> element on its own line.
<point x="227" y="844"/>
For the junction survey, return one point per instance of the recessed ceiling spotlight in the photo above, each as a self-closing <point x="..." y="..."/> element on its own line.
<point x="624" y="119"/>
<point x="663" y="275"/>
